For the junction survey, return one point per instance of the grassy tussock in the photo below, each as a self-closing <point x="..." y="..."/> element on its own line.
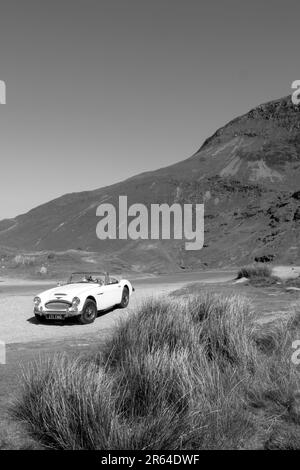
<point x="224" y="326"/>
<point x="189" y="373"/>
<point x="69" y="404"/>
<point x="254" y="271"/>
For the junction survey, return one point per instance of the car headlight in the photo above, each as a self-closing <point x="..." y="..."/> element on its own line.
<point x="75" y="302"/>
<point x="37" y="301"/>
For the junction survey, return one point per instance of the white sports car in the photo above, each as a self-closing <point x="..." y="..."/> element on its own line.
<point x="82" y="296"/>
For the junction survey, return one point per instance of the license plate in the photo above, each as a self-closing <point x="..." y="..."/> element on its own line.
<point x="54" y="317"/>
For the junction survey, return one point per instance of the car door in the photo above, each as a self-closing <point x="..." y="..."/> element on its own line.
<point x="112" y="294"/>
<point x="102" y="298"/>
<point x="108" y="296"/>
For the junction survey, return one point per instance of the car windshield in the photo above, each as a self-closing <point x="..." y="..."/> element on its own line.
<point x="94" y="278"/>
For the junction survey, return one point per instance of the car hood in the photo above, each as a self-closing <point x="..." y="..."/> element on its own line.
<point x="67" y="292"/>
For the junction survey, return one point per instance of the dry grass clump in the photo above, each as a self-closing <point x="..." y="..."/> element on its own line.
<point x="257" y="270"/>
<point x="258" y="274"/>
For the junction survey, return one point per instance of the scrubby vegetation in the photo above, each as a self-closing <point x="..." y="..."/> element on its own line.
<point x="257" y="270"/>
<point x="189" y="373"/>
<point x="258" y="274"/>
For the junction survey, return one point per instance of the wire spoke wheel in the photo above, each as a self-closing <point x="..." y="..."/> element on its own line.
<point x="89" y="313"/>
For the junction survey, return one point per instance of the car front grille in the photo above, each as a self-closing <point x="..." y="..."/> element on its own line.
<point x="58" y="306"/>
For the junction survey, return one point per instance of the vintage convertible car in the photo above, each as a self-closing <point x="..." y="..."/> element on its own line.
<point x="82" y="296"/>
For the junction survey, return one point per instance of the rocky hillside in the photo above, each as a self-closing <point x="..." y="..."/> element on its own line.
<point x="247" y="174"/>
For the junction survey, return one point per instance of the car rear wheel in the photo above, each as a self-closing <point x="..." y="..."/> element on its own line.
<point x="125" y="298"/>
<point x="89" y="312"/>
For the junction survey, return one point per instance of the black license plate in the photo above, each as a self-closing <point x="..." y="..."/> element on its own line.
<point x="54" y="317"/>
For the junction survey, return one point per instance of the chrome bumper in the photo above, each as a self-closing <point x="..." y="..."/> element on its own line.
<point x="49" y="314"/>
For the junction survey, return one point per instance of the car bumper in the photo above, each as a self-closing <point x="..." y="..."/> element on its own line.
<point x="56" y="315"/>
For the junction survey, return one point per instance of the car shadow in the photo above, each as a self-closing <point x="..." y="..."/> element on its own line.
<point x="72" y="321"/>
<point x="102" y="313"/>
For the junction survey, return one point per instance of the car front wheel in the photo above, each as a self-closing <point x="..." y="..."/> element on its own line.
<point x="89" y="312"/>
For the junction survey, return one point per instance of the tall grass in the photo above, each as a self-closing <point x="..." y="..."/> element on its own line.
<point x="257" y="270"/>
<point x="69" y="404"/>
<point x="177" y="374"/>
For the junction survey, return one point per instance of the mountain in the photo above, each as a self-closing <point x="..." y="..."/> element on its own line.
<point x="247" y="174"/>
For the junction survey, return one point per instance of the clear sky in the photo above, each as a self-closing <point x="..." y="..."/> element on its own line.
<point x="100" y="90"/>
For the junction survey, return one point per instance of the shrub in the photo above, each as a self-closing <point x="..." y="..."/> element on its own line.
<point x="258" y="270"/>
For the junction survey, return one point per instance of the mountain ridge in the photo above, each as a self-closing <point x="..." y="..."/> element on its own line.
<point x="246" y="173"/>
